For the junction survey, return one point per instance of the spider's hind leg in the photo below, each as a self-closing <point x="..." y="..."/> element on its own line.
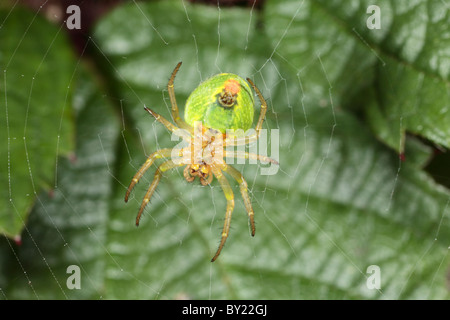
<point x="230" y="206"/>
<point x="244" y="192"/>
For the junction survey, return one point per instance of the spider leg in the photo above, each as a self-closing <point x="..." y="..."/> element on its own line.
<point x="230" y="206"/>
<point x="175" y="113"/>
<point x="169" y="164"/>
<point x="263" y="107"/>
<point x="178" y="131"/>
<point x="247" y="155"/>
<point x="244" y="192"/>
<point x="253" y="137"/>
<point x="163" y="153"/>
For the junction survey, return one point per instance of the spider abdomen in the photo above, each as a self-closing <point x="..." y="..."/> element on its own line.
<point x="224" y="101"/>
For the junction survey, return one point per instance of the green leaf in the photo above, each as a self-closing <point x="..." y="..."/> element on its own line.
<point x="68" y="226"/>
<point x="36" y="128"/>
<point x="406" y="61"/>
<point x="340" y="202"/>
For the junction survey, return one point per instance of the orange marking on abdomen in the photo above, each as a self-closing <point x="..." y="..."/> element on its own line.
<point x="232" y="86"/>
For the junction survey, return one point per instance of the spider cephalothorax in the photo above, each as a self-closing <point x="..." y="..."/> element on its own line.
<point x="201" y="153"/>
<point x="216" y="108"/>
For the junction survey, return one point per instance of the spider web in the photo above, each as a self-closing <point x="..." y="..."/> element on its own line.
<point x="339" y="202"/>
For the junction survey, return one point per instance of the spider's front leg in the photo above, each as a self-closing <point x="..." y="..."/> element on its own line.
<point x="169" y="164"/>
<point x="159" y="154"/>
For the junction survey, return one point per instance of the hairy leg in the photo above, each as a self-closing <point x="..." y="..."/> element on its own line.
<point x="178" y="131"/>
<point x="247" y="155"/>
<point x="175" y="113"/>
<point x="244" y="192"/>
<point x="159" y="154"/>
<point x="169" y="164"/>
<point x="230" y="206"/>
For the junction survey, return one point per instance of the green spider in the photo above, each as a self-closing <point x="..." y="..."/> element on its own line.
<point x="223" y="102"/>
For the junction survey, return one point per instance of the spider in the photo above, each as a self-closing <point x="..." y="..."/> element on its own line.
<point x="223" y="102"/>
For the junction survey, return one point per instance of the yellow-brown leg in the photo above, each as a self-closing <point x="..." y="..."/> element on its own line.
<point x="230" y="206"/>
<point x="173" y="101"/>
<point x="263" y="107"/>
<point x="169" y="164"/>
<point x="178" y="131"/>
<point x="163" y="153"/>
<point x="244" y="192"/>
<point x="248" y="155"/>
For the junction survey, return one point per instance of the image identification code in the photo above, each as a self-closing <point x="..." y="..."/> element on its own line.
<point x="230" y="309"/>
